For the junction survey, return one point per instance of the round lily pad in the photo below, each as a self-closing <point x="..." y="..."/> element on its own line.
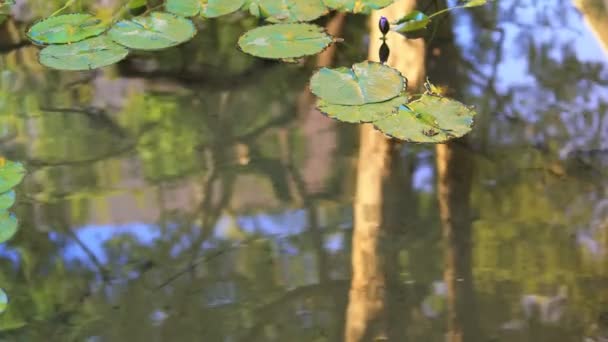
<point x="362" y="113"/>
<point x="288" y="11"/>
<point x="357" y="6"/>
<point x="185" y="8"/>
<point x="430" y="119"/>
<point x="366" y="82"/>
<point x="85" y="55"/>
<point x="218" y="8"/>
<point x="285" y="41"/>
<point x="8" y="226"/>
<point x="67" y="28"/>
<point x="7" y="199"/>
<point x="159" y="30"/>
<point x="11" y="174"/>
<point x="3" y="301"/>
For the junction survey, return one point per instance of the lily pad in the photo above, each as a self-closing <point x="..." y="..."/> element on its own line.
<point x="218" y="8"/>
<point x="8" y="226"/>
<point x="85" y="55"/>
<point x="363" y="113"/>
<point x="430" y="119"/>
<point x="67" y="28"/>
<point x="157" y="31"/>
<point x="7" y="200"/>
<point x="288" y="11"/>
<point x="3" y="301"/>
<point x="185" y="8"/>
<point x="366" y="82"/>
<point x="411" y="22"/>
<point x="357" y="6"/>
<point x="285" y="41"/>
<point x="11" y="174"/>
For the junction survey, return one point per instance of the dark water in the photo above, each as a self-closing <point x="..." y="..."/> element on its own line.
<point x="193" y="195"/>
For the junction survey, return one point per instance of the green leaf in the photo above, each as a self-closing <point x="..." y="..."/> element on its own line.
<point x="11" y="174"/>
<point x="85" y="55"/>
<point x="157" y="31"/>
<point x="7" y="199"/>
<point x="3" y="301"/>
<point x="475" y="3"/>
<point x="67" y="28"/>
<point x="413" y="21"/>
<point x="218" y="8"/>
<point x="430" y="119"/>
<point x="185" y="8"/>
<point x="362" y="113"/>
<point x="366" y="82"/>
<point x="8" y="226"/>
<point x="288" y="10"/>
<point x="285" y="41"/>
<point x="357" y="6"/>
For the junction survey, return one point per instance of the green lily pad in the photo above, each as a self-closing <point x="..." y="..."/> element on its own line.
<point x="357" y="6"/>
<point x="67" y="28"/>
<point x="285" y="41"/>
<point x="218" y="8"/>
<point x="7" y="199"/>
<point x="185" y="8"/>
<point x="366" y="82"/>
<point x="11" y="174"/>
<point x="363" y="113"/>
<point x="288" y="11"/>
<point x="411" y="22"/>
<point x="85" y="55"/>
<point x="159" y="30"/>
<point x="8" y="226"/>
<point x="3" y="301"/>
<point x="430" y="119"/>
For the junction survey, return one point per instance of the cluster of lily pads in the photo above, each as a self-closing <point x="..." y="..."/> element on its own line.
<point x="375" y="93"/>
<point x="11" y="174"/>
<point x="367" y="92"/>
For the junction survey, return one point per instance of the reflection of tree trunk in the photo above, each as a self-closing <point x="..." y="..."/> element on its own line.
<point x="380" y="185"/>
<point x="596" y="15"/>
<point x="455" y="172"/>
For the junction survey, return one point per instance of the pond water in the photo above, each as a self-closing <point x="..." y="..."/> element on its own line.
<point x="195" y="194"/>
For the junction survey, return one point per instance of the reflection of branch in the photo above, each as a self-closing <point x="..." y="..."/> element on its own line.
<point x="267" y="312"/>
<point x="102" y="270"/>
<point x="43" y="163"/>
<point x="95" y="114"/>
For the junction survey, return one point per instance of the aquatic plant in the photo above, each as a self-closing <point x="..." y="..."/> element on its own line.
<point x="367" y="92"/>
<point x="11" y="174"/>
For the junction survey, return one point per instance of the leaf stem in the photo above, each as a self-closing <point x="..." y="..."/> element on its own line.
<point x="67" y="4"/>
<point x="445" y="10"/>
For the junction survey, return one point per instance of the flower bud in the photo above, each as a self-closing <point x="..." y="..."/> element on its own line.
<point x="384" y="25"/>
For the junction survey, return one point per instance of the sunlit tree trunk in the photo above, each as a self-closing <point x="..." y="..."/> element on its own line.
<point x="455" y="173"/>
<point x="379" y="190"/>
<point x="595" y="13"/>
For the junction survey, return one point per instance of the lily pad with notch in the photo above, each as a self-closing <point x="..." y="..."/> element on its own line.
<point x="88" y="54"/>
<point x="156" y="31"/>
<point x="7" y="199"/>
<point x="218" y="8"/>
<point x="369" y="112"/>
<point x="366" y="82"/>
<point x="67" y="28"/>
<point x="430" y="119"/>
<point x="184" y="8"/>
<point x="285" y="41"/>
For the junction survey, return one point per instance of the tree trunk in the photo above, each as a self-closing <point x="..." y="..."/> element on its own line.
<point x="381" y="185"/>
<point x="455" y="173"/>
<point x="595" y="13"/>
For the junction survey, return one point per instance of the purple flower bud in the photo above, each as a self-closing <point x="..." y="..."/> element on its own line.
<point x="384" y="25"/>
